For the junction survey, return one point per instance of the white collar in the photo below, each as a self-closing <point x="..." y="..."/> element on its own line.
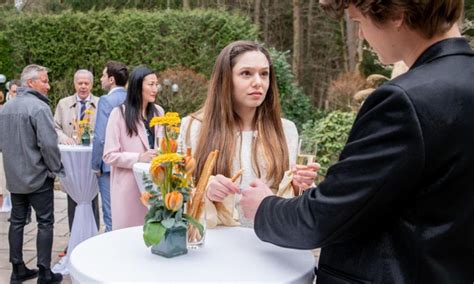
<point x="88" y="99"/>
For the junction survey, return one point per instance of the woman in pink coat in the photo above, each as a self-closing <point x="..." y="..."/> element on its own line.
<point x="128" y="140"/>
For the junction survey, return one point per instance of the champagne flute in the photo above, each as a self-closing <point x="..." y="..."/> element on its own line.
<point x="307" y="150"/>
<point x="91" y="134"/>
<point x="74" y="135"/>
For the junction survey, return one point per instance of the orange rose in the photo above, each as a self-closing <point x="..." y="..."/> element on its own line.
<point x="145" y="197"/>
<point x="157" y="173"/>
<point x="174" y="200"/>
<point x="169" y="147"/>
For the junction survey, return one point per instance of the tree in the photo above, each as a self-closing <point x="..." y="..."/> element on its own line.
<point x="296" y="39"/>
<point x="186" y="5"/>
<point x="256" y="17"/>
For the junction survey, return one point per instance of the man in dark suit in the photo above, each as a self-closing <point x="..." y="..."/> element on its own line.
<point x="398" y="207"/>
<point x="114" y="78"/>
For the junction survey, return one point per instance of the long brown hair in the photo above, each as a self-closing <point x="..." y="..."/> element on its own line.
<point x="220" y="121"/>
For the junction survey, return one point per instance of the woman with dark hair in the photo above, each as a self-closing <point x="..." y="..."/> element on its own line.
<point x="242" y="119"/>
<point x="128" y="140"/>
<point x="398" y="206"/>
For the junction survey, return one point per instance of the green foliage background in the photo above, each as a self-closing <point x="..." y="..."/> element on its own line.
<point x="296" y="106"/>
<point x="70" y="41"/>
<point x="330" y="132"/>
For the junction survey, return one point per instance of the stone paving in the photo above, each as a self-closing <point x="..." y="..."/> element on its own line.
<point x="61" y="237"/>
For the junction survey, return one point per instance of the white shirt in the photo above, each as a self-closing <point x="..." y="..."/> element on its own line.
<point x="88" y="102"/>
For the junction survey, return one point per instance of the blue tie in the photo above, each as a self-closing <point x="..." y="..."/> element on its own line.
<point x="83" y="109"/>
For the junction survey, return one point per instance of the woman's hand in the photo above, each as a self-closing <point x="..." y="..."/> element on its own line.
<point x="220" y="187"/>
<point x="146" y="156"/>
<point x="304" y="176"/>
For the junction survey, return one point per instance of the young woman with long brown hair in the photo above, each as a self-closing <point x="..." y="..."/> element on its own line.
<point x="242" y="119"/>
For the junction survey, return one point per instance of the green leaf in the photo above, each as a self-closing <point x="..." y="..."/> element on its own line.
<point x="153" y="233"/>
<point x="181" y="224"/>
<point x="168" y="223"/>
<point x="179" y="215"/>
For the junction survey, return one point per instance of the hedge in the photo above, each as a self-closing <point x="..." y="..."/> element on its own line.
<point x="169" y="39"/>
<point x="70" y="41"/>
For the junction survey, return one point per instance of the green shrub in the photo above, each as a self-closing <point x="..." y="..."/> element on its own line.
<point x="192" y="90"/>
<point x="371" y="65"/>
<point x="70" y="41"/>
<point x="296" y="106"/>
<point x="6" y="63"/>
<point x="330" y="133"/>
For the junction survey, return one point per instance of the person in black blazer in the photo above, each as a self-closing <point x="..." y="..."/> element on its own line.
<point x="398" y="207"/>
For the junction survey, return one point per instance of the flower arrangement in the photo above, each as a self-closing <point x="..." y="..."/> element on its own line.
<point x="171" y="172"/>
<point x="85" y="128"/>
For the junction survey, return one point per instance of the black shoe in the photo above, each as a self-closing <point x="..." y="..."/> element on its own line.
<point x="22" y="273"/>
<point x="47" y="276"/>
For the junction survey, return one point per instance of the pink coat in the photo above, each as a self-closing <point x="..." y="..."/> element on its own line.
<point x="121" y="152"/>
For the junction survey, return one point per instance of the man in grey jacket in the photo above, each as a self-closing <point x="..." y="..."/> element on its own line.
<point x="31" y="159"/>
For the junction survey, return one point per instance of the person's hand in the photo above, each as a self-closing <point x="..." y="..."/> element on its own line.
<point x="146" y="156"/>
<point x="69" y="141"/>
<point x="304" y="176"/>
<point x="252" y="197"/>
<point x="220" y="187"/>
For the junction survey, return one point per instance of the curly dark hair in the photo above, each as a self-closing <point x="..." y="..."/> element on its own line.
<point x="429" y="18"/>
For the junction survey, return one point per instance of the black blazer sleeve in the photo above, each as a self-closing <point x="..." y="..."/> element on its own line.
<point x="378" y="167"/>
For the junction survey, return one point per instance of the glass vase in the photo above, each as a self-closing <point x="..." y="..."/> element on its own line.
<point x="85" y="138"/>
<point x="195" y="238"/>
<point x="172" y="244"/>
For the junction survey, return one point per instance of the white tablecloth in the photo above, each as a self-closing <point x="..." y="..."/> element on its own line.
<point x="138" y="170"/>
<point x="81" y="185"/>
<point x="231" y="254"/>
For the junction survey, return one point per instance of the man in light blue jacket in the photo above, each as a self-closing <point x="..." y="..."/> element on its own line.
<point x="114" y="78"/>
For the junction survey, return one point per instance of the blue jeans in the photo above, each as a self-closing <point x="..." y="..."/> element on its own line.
<point x="104" y="188"/>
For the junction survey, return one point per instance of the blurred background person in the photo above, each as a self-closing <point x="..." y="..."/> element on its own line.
<point x="113" y="80"/>
<point x="129" y="139"/>
<point x="69" y="111"/>
<point x="12" y="87"/>
<point x="31" y="161"/>
<point x="72" y="109"/>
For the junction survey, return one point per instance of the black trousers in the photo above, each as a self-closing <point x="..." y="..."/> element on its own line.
<point x="42" y="201"/>
<point x="71" y="209"/>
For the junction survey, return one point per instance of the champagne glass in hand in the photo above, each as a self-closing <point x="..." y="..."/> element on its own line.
<point x="75" y="136"/>
<point x="91" y="133"/>
<point x="307" y="150"/>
